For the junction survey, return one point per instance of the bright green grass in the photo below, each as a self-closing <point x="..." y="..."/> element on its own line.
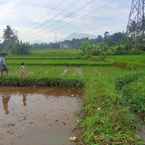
<point x="70" y="57"/>
<point x="54" y="62"/>
<point x="136" y="59"/>
<point x="45" y="71"/>
<point x="56" y="52"/>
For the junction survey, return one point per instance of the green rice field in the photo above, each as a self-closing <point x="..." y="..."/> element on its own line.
<point x="109" y="118"/>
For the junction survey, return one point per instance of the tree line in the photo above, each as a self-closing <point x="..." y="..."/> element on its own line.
<point x="116" y="43"/>
<point x="77" y="43"/>
<point x="11" y="44"/>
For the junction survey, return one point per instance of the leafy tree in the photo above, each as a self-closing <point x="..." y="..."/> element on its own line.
<point x="11" y="44"/>
<point x="10" y="39"/>
<point x="90" y="49"/>
<point x="9" y="34"/>
<point x="87" y="48"/>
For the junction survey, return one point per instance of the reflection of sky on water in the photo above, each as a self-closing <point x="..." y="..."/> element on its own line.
<point x="27" y="118"/>
<point x="6" y="100"/>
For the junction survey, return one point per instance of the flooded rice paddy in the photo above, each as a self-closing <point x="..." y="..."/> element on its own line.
<point x="38" y="116"/>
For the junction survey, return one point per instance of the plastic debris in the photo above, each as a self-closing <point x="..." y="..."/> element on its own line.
<point x="73" y="139"/>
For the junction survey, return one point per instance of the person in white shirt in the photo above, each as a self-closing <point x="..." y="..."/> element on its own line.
<point x="3" y="66"/>
<point x="23" y="71"/>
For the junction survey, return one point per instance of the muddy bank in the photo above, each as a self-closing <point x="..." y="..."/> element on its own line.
<point x="38" y="116"/>
<point x="54" y="91"/>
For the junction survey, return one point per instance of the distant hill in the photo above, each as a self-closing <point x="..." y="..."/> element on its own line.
<point x="80" y="36"/>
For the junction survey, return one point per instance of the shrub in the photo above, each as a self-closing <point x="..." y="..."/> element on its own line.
<point x="127" y="79"/>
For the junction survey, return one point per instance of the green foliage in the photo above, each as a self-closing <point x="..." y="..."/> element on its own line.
<point x="23" y="48"/>
<point x="55" y="53"/>
<point x="127" y="79"/>
<point x="50" y="82"/>
<point x="132" y="92"/>
<point x="9" y="34"/>
<point x="120" y="49"/>
<point x="10" y="40"/>
<point x="89" y="49"/>
<point x="107" y="122"/>
<point x="12" y="45"/>
<point x="137" y="45"/>
<point x="133" y="96"/>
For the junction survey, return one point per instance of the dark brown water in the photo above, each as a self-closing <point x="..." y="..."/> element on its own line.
<point x="38" y="116"/>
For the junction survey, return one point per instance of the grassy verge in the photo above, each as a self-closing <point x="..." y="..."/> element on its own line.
<point x="133" y="93"/>
<point x="106" y="120"/>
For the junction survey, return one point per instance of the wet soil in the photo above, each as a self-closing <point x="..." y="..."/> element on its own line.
<point x="38" y="116"/>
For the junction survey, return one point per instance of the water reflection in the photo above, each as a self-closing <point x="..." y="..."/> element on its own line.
<point x="9" y="101"/>
<point x="24" y="99"/>
<point x="5" y="101"/>
<point x="34" y="120"/>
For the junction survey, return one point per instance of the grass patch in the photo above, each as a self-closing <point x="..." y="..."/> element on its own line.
<point x="133" y="94"/>
<point x="106" y="121"/>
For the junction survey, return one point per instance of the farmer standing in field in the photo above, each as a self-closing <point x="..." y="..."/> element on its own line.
<point x="3" y="66"/>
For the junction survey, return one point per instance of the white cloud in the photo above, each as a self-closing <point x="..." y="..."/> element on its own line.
<point x="37" y="20"/>
<point x="30" y="34"/>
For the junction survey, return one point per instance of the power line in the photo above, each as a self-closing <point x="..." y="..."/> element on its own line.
<point x="52" y="18"/>
<point x="56" y="15"/>
<point x="73" y="13"/>
<point x="62" y="26"/>
<point x="73" y="18"/>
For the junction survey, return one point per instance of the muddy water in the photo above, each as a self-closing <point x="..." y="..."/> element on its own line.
<point x="38" y="116"/>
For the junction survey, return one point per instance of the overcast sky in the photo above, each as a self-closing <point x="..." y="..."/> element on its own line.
<point x="51" y="20"/>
